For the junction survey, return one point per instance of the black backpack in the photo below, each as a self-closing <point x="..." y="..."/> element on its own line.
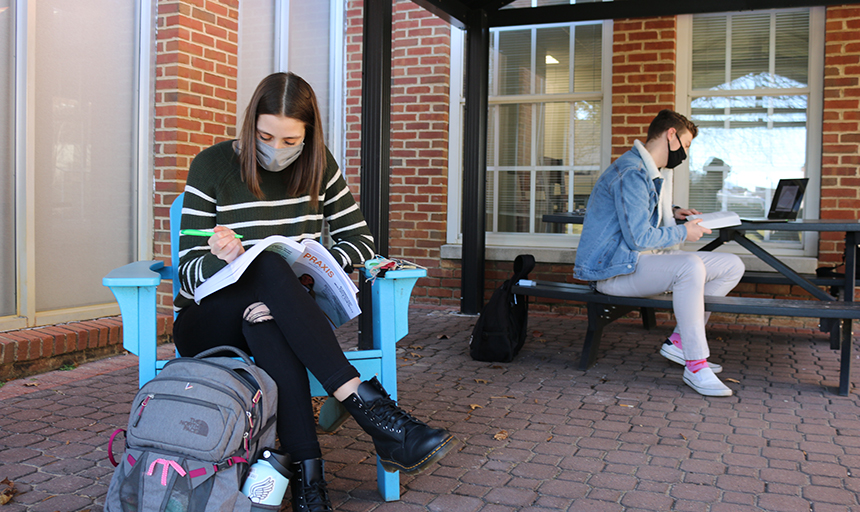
<point x="500" y="331"/>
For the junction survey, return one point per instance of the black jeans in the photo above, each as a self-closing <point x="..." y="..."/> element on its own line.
<point x="299" y="339"/>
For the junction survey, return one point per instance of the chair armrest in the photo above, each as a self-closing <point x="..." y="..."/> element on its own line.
<point x="139" y="273"/>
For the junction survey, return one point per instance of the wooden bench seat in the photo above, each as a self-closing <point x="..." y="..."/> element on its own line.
<point x="605" y="309"/>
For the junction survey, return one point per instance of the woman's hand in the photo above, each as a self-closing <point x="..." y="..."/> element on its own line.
<point x="224" y="244"/>
<point x="695" y="231"/>
<point x="681" y="213"/>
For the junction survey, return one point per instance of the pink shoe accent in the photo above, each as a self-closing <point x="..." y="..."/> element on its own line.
<point x="697" y="365"/>
<point x="675" y="338"/>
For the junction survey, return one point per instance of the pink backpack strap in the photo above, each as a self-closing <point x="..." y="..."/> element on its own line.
<point x="110" y="446"/>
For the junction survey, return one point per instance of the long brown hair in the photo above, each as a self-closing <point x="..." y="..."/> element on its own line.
<point x="288" y="95"/>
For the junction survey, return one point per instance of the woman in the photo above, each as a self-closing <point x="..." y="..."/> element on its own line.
<point x="279" y="178"/>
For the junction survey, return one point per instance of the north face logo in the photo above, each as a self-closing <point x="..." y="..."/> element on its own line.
<point x="195" y="426"/>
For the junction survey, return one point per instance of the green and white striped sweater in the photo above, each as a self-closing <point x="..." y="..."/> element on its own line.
<point x="216" y="195"/>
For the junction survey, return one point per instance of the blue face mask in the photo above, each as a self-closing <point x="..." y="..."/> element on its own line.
<point x="276" y="160"/>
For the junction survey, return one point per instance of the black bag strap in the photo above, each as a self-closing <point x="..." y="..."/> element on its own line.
<point x="523" y="264"/>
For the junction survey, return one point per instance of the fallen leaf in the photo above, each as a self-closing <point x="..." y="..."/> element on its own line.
<point x="30" y="384"/>
<point x="442" y="337"/>
<point x="481" y="381"/>
<point x="475" y="406"/>
<point x="733" y="380"/>
<point x="502" y="396"/>
<point x="683" y="437"/>
<point x="548" y="439"/>
<point x="501" y="436"/>
<point x="537" y="334"/>
<point x="497" y="367"/>
<point x="413" y="354"/>
<point x="9" y="491"/>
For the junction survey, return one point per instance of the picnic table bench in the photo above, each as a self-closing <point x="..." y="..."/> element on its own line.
<point x="836" y="315"/>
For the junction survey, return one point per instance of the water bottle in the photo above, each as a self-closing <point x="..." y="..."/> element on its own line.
<point x="268" y="479"/>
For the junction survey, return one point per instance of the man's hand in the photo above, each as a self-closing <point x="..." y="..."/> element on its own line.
<point x="695" y="231"/>
<point x="681" y="213"/>
<point x="224" y="244"/>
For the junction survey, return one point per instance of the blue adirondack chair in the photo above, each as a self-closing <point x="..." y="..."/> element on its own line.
<point x="134" y="286"/>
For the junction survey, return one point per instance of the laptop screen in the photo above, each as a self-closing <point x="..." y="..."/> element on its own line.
<point x="787" y="198"/>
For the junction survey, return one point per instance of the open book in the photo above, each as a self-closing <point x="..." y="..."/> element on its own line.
<point x="716" y="220"/>
<point x="315" y="267"/>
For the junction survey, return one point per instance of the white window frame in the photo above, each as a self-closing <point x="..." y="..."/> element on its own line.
<point x="337" y="71"/>
<point x="802" y="258"/>
<point x="24" y="164"/>
<point x="454" y="233"/>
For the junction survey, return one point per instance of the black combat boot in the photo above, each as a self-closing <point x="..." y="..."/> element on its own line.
<point x="402" y="442"/>
<point x="309" y="488"/>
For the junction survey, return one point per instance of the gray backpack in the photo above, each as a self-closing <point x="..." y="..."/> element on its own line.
<point x="192" y="433"/>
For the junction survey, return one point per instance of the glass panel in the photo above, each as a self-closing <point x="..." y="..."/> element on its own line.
<point x="514" y="54"/>
<point x="792" y="49"/>
<point x="514" y="194"/>
<point x="750" y="50"/>
<point x="492" y="113"/>
<point x="587" y="58"/>
<point x="491" y="190"/>
<point x="745" y="145"/>
<point x="709" y="51"/>
<point x="309" y="41"/>
<point x="553" y="60"/>
<point x="256" y="61"/>
<point x="586" y="150"/>
<point x="85" y="173"/>
<point x="7" y="168"/>
<point x="553" y="134"/>
<point x="515" y="134"/>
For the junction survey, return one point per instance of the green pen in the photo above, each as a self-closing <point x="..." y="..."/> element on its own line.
<point x="200" y="232"/>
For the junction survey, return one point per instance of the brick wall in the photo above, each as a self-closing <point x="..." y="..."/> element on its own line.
<point x="840" y="165"/>
<point x="419" y="140"/>
<point x="643" y="77"/>
<point x="195" y="98"/>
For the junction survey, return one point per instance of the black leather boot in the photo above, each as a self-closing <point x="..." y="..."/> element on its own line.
<point x="309" y="488"/>
<point x="403" y="443"/>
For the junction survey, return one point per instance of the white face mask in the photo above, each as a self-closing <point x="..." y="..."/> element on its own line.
<point x="276" y="160"/>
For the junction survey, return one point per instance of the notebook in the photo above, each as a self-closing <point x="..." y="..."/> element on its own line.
<point x="786" y="201"/>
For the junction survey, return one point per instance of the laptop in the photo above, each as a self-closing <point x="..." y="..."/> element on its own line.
<point x="785" y="204"/>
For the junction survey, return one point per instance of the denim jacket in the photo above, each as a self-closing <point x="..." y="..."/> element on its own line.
<point x="622" y="220"/>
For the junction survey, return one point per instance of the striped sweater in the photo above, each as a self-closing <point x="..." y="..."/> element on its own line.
<point x="216" y="195"/>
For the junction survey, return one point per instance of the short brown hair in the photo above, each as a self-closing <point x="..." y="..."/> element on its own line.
<point x="286" y="94"/>
<point x="670" y="119"/>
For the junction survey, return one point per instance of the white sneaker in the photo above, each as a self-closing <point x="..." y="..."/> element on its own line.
<point x="674" y="354"/>
<point x="706" y="383"/>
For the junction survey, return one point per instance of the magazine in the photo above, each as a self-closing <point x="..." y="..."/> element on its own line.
<point x="316" y="268"/>
<point x="716" y="220"/>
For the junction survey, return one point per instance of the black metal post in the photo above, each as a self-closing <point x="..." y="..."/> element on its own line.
<point x="475" y="163"/>
<point x="375" y="141"/>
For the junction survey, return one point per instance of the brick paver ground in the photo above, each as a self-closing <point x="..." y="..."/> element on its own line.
<point x="536" y="434"/>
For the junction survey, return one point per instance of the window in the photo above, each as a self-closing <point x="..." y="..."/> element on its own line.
<point x="8" y="268"/>
<point x="291" y="36"/>
<point x="547" y="128"/>
<point x="753" y="92"/>
<point x="70" y="193"/>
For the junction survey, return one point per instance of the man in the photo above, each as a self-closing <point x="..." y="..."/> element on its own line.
<point x="628" y="241"/>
